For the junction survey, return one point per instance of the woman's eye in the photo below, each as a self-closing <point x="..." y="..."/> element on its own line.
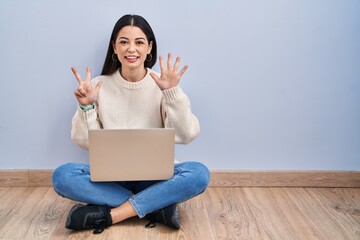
<point x="123" y="42"/>
<point x="139" y="43"/>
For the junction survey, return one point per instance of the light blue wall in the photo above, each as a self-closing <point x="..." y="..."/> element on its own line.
<point x="275" y="84"/>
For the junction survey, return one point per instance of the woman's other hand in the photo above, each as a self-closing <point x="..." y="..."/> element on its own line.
<point x="170" y="76"/>
<point x="85" y="93"/>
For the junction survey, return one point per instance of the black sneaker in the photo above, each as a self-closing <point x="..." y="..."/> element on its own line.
<point x="168" y="216"/>
<point x="89" y="217"/>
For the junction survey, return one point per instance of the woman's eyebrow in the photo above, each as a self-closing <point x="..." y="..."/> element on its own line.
<point x="139" y="38"/>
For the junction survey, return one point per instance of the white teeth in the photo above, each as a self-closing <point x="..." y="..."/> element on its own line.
<point x="131" y="57"/>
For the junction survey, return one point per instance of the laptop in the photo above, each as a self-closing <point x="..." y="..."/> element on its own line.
<point x="131" y="154"/>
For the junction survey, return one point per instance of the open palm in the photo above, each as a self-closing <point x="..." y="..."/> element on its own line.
<point x="170" y="76"/>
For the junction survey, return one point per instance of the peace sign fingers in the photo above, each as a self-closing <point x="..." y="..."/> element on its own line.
<point x="78" y="77"/>
<point x="85" y="93"/>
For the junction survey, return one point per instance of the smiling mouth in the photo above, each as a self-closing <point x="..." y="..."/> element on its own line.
<point x="131" y="57"/>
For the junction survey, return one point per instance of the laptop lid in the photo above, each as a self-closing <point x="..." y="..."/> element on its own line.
<point x="131" y="154"/>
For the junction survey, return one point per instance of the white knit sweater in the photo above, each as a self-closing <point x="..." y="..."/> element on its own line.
<point x="123" y="105"/>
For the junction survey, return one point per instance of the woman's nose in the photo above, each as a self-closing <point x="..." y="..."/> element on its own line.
<point x="131" y="48"/>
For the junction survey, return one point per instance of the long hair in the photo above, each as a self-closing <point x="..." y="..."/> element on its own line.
<point x="111" y="66"/>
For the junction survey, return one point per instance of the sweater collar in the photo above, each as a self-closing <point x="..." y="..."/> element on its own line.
<point x="120" y="81"/>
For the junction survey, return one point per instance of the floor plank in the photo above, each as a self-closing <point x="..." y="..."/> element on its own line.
<point x="37" y="217"/>
<point x="293" y="215"/>
<point x="320" y="216"/>
<point x="11" y="203"/>
<point x="338" y="209"/>
<point x="269" y="217"/>
<point x="224" y="213"/>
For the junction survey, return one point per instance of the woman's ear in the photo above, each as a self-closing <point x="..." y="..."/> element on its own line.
<point x="150" y="47"/>
<point x="113" y="45"/>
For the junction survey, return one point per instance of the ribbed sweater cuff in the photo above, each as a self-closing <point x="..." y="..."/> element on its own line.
<point x="89" y="115"/>
<point x="173" y="94"/>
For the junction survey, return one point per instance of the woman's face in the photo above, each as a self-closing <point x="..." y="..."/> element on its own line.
<point x="131" y="47"/>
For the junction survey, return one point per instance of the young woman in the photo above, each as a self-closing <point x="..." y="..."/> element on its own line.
<point x="128" y="94"/>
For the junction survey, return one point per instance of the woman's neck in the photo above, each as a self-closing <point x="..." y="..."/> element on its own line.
<point x="133" y="75"/>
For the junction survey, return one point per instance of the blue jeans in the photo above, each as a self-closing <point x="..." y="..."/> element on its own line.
<point x="72" y="180"/>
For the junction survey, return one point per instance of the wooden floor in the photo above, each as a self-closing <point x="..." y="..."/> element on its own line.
<point x="219" y="213"/>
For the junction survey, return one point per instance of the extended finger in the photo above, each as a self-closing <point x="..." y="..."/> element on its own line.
<point x="169" y="61"/>
<point x="88" y="74"/>
<point x="183" y="70"/>
<point x="177" y="62"/>
<point x="162" y="66"/>
<point x="77" y="75"/>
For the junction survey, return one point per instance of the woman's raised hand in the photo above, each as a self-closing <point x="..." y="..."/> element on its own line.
<point x="170" y="76"/>
<point x="85" y="93"/>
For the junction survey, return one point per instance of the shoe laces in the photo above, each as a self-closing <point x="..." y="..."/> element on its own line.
<point x="96" y="221"/>
<point x="150" y="224"/>
<point x="153" y="218"/>
<point x="159" y="216"/>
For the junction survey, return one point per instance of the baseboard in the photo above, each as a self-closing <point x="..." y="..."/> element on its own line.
<point x="42" y="178"/>
<point x="25" y="178"/>
<point x="285" y="178"/>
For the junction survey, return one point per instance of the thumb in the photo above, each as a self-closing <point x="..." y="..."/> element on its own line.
<point x="155" y="77"/>
<point x="157" y="80"/>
